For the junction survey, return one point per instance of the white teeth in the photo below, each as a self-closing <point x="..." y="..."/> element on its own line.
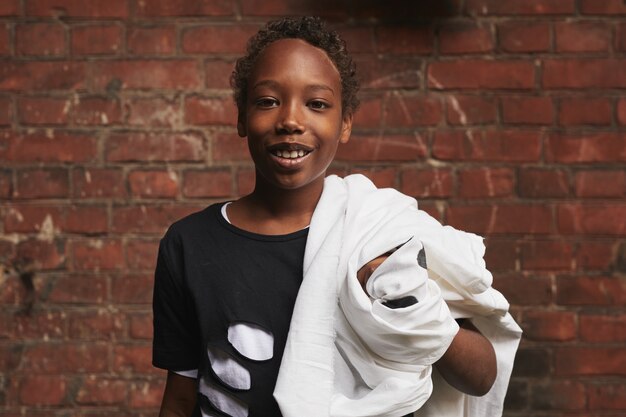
<point x="290" y="154"/>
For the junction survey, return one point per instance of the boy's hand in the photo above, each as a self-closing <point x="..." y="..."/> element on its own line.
<point x="368" y="269"/>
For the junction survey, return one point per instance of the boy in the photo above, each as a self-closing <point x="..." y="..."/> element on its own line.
<point x="227" y="277"/>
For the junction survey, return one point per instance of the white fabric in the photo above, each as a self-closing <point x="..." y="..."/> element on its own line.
<point x="364" y="359"/>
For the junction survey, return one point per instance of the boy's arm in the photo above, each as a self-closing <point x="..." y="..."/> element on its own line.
<point x="469" y="364"/>
<point x="179" y="398"/>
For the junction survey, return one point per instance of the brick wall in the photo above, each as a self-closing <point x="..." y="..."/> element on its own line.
<point x="503" y="117"/>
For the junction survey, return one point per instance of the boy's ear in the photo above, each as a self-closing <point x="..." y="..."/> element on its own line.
<point x="346" y="128"/>
<point x="242" y="131"/>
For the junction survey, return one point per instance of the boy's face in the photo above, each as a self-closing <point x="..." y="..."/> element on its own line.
<point x="293" y="116"/>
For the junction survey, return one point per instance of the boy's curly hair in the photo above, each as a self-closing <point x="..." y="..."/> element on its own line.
<point x="312" y="30"/>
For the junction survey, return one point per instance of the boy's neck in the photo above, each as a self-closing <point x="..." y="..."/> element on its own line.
<point x="274" y="211"/>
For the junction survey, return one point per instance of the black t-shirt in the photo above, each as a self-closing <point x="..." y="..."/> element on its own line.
<point x="212" y="277"/>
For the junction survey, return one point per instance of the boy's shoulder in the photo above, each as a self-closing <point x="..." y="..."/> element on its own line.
<point x="191" y="224"/>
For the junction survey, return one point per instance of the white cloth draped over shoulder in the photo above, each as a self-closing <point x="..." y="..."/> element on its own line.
<point x="350" y="355"/>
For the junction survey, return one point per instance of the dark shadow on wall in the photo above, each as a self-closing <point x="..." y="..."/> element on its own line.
<point x="405" y="12"/>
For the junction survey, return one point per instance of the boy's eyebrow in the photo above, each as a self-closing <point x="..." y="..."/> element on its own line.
<point x="274" y="84"/>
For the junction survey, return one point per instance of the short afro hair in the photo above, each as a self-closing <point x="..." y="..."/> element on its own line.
<point x="312" y="30"/>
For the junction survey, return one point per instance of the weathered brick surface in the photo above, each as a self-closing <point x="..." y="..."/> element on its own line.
<point x="503" y="118"/>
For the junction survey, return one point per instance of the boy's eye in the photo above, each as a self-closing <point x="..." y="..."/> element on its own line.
<point x="318" y="105"/>
<point x="267" y="102"/>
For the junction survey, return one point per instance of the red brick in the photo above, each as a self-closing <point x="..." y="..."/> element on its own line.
<point x="369" y="113"/>
<point x="549" y="325"/>
<point x="77" y="8"/>
<point x="10" y="8"/>
<point x="501" y="254"/>
<point x="481" y="74"/>
<point x="582" y="36"/>
<point x="141" y="254"/>
<point x="465" y="38"/>
<point x="100" y="325"/>
<point x="40" y="39"/>
<point x="5" y="40"/>
<point x="520" y="7"/>
<point x="98" y="183"/>
<point x="132" y="289"/>
<point x="10" y="357"/>
<point x="97" y="254"/>
<point x="49" y="358"/>
<point x="97" y="40"/>
<point x="574" y="361"/>
<point x="501" y="219"/>
<point x="525" y="290"/>
<point x="411" y="111"/>
<point x="558" y="395"/>
<point x="612" y="7"/>
<point x="594" y="255"/>
<point x="607" y="396"/>
<point x="586" y="148"/>
<point x="524" y="36"/>
<point x="596" y="328"/>
<point x="6" y="111"/>
<point x="542" y="183"/>
<point x="576" y="111"/>
<point x="324" y="8"/>
<point x="404" y="39"/>
<point x="180" y="74"/>
<point x="621" y="111"/>
<point x="100" y="391"/>
<point x="23" y="218"/>
<point x="47" y="255"/>
<point x="590" y="291"/>
<point x="6" y="184"/>
<point x="584" y="73"/>
<point x="153" y="184"/>
<point x="359" y="39"/>
<point x="470" y="110"/>
<point x="587" y="219"/>
<point x="229" y="147"/>
<point x="600" y="184"/>
<point x="141" y="326"/>
<point x="547" y="255"/>
<point x="151" y="40"/>
<point x="74" y="289"/>
<point x="390" y="147"/>
<point x="41" y="75"/>
<point x="486" y="182"/>
<point x="40" y="324"/>
<point x="96" y="111"/>
<point x="148" y="219"/>
<point x="124" y="147"/>
<point x="131" y="359"/>
<point x="217" y="39"/>
<point x="146" y="394"/>
<point x="218" y="73"/>
<point x="426" y="183"/>
<point x="43" y="183"/>
<point x="502" y="145"/>
<point x="381" y="177"/>
<point x="389" y="72"/>
<point x="213" y="183"/>
<point x="527" y="110"/>
<point x="210" y="111"/>
<point x="42" y="390"/>
<point x="155" y="112"/>
<point x="191" y="8"/>
<point x="43" y="110"/>
<point x="86" y="220"/>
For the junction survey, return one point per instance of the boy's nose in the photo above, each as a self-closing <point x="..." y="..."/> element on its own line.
<point x="290" y="120"/>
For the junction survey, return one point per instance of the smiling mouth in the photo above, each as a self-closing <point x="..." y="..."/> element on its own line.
<point x="287" y="154"/>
